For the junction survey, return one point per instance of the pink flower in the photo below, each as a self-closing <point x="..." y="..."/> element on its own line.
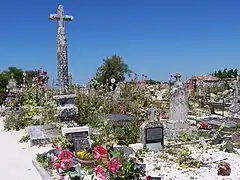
<point x="114" y="165"/>
<point x="65" y="155"/>
<point x="227" y="165"/>
<point x="101" y="172"/>
<point x="44" y="73"/>
<point x="67" y="164"/>
<point x="56" y="163"/>
<point x="99" y="152"/>
<point x="58" y="147"/>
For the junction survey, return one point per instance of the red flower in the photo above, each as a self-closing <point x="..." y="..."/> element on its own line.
<point x="56" y="163"/>
<point x="99" y="152"/>
<point x="227" y="165"/>
<point x="148" y="178"/>
<point x="113" y="165"/>
<point x="101" y="172"/>
<point x="65" y="155"/>
<point x="203" y="125"/>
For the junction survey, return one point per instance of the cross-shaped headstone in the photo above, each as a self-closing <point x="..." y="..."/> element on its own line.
<point x="62" y="49"/>
<point x="178" y="76"/>
<point x="235" y="108"/>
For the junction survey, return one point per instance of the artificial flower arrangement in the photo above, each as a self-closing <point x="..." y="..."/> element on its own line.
<point x="114" y="165"/>
<point x="204" y="125"/>
<point x="224" y="169"/>
<point x="106" y="164"/>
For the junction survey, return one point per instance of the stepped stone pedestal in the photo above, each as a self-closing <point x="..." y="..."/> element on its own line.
<point x="67" y="111"/>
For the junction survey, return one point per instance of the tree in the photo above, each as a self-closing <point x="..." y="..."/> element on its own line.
<point x="113" y="67"/>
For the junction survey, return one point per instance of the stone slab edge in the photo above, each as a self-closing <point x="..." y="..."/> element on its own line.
<point x="42" y="172"/>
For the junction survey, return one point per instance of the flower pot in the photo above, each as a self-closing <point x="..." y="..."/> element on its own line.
<point x="90" y="163"/>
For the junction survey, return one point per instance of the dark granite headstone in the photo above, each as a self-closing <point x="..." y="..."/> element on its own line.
<point x="152" y="135"/>
<point x="41" y="135"/>
<point x="119" y="118"/>
<point x="79" y="136"/>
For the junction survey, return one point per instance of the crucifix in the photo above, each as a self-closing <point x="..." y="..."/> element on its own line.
<point x="178" y="76"/>
<point x="62" y="56"/>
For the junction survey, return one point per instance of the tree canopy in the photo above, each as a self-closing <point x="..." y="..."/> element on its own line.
<point x="113" y="67"/>
<point x="225" y="73"/>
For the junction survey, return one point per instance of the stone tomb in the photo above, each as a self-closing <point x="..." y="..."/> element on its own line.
<point x="41" y="135"/>
<point x="80" y="136"/>
<point x="152" y="135"/>
<point x="216" y="122"/>
<point x="119" y="118"/>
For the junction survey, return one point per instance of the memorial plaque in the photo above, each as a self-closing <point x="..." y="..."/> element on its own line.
<point x="80" y="140"/>
<point x="79" y="136"/>
<point x="154" y="135"/>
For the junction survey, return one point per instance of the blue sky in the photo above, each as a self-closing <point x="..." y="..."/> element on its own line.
<point x="155" y="37"/>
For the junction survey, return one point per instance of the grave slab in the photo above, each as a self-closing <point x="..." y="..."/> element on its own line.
<point x="216" y="122"/>
<point x="152" y="135"/>
<point x="41" y="135"/>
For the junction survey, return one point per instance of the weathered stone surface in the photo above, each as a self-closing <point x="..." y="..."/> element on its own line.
<point x="67" y="110"/>
<point x="119" y="118"/>
<point x="41" y="135"/>
<point x="216" y="122"/>
<point x="178" y="101"/>
<point x="62" y="50"/>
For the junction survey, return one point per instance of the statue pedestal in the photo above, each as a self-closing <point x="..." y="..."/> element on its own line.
<point x="67" y="111"/>
<point x="174" y="128"/>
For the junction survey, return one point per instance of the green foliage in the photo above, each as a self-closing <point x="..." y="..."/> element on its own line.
<point x="28" y="112"/>
<point x="225" y="73"/>
<point x="61" y="141"/>
<point x="113" y="67"/>
<point x="185" y="161"/>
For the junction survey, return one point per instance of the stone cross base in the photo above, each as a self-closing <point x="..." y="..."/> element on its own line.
<point x="173" y="129"/>
<point x="67" y="111"/>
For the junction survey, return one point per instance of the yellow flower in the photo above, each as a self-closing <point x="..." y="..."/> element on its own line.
<point x="81" y="154"/>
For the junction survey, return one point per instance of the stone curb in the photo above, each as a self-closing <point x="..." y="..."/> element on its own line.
<point x="43" y="173"/>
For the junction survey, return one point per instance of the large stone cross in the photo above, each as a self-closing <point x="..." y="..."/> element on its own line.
<point x="178" y="76"/>
<point x="62" y="56"/>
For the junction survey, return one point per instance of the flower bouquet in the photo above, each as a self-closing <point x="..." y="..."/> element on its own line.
<point x="115" y="165"/>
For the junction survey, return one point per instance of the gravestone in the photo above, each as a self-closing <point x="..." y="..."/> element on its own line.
<point x="235" y="108"/>
<point x="67" y="109"/>
<point x="41" y="135"/>
<point x="80" y="136"/>
<point x="152" y="135"/>
<point x="177" y="122"/>
<point x="178" y="101"/>
<point x="152" y="114"/>
<point x="119" y="119"/>
<point x="216" y="122"/>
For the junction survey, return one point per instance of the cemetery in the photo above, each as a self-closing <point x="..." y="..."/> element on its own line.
<point x="124" y="130"/>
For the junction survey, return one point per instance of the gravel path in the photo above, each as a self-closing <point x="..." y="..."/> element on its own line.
<point x="16" y="158"/>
